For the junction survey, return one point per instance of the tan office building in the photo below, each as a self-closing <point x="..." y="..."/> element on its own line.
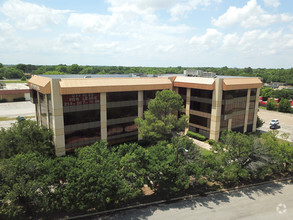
<point x="81" y="111"/>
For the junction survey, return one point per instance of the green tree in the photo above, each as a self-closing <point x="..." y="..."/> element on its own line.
<point x="74" y="69"/>
<point x="61" y="68"/>
<point x="281" y="153"/>
<point x="21" y="67"/>
<point x="285" y="106"/>
<point x="87" y="70"/>
<point x="167" y="176"/>
<point x="25" y="136"/>
<point x="271" y="105"/>
<point x="160" y="120"/>
<point x="259" y="122"/>
<point x="242" y="157"/>
<point x="26" y="188"/>
<point x="2" y="71"/>
<point x="266" y="92"/>
<point x="95" y="180"/>
<point x="1" y="65"/>
<point x="13" y="73"/>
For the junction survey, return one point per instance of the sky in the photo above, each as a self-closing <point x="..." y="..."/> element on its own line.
<point x="154" y="33"/>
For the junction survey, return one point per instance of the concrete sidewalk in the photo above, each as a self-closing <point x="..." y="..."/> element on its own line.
<point x="201" y="144"/>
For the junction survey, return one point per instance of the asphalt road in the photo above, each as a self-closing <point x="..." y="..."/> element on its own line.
<point x="270" y="201"/>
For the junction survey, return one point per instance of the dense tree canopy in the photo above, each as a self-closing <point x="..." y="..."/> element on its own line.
<point x="25" y="136"/>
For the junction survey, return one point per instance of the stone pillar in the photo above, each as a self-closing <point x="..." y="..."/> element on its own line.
<point x="255" y="110"/>
<point x="37" y="114"/>
<point x="103" y="112"/>
<point x="47" y="111"/>
<point x="39" y="120"/>
<point x="140" y="109"/>
<point x="216" y="110"/>
<point x="246" y="111"/>
<point x="230" y="124"/>
<point x="58" y="121"/>
<point x="187" y="107"/>
<point x="175" y="89"/>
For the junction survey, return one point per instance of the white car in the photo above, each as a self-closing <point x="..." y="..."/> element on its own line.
<point x="274" y="122"/>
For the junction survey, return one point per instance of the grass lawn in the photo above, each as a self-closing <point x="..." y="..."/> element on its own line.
<point x="8" y="119"/>
<point x="204" y="152"/>
<point x="13" y="81"/>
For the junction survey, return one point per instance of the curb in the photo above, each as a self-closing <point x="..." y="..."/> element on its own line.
<point x="189" y="197"/>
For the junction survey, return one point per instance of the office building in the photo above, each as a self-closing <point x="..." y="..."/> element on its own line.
<point x="81" y="111"/>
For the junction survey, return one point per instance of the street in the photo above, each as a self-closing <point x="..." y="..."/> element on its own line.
<point x="270" y="201"/>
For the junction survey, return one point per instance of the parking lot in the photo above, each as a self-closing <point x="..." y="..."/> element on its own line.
<point x="285" y="119"/>
<point x="13" y="109"/>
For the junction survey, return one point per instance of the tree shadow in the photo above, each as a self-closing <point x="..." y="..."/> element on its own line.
<point x="208" y="201"/>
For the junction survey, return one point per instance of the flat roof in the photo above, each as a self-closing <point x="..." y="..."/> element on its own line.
<point x="98" y="85"/>
<point x="241" y="83"/>
<point x="195" y="82"/>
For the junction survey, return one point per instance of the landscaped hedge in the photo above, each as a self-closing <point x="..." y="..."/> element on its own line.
<point x="19" y="99"/>
<point x="3" y="100"/>
<point x="196" y="136"/>
<point x="212" y="142"/>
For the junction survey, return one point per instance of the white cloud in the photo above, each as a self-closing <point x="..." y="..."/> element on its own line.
<point x="250" y="16"/>
<point x="210" y="38"/>
<point x="29" y="16"/>
<point x="272" y="3"/>
<point x="188" y="5"/>
<point x="165" y="48"/>
<point x="90" y="22"/>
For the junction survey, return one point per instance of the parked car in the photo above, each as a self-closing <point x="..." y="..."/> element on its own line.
<point x="274" y="122"/>
<point x="20" y="118"/>
<point x="274" y="126"/>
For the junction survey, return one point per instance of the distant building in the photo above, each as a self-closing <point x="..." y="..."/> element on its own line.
<point x="12" y="91"/>
<point x="198" y="73"/>
<point x="81" y="111"/>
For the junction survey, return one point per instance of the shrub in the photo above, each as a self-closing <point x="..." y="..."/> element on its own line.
<point x="259" y="122"/>
<point x="3" y="100"/>
<point x="23" y="78"/>
<point x="196" y="136"/>
<point x="285" y="105"/>
<point x="272" y="105"/>
<point x="212" y="142"/>
<point x="19" y="99"/>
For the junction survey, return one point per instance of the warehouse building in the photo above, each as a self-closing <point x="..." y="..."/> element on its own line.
<point x="81" y="111"/>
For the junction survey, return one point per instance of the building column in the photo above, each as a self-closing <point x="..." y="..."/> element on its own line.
<point x="255" y="110"/>
<point x="230" y="124"/>
<point x="39" y="120"/>
<point x="37" y="113"/>
<point x="246" y="111"/>
<point x="47" y="111"/>
<point x="175" y="89"/>
<point x="140" y="109"/>
<point x="103" y="112"/>
<point x="187" y="107"/>
<point x="58" y="120"/>
<point x="216" y="110"/>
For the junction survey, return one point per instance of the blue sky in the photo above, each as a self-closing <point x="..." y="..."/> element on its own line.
<point x="189" y="33"/>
